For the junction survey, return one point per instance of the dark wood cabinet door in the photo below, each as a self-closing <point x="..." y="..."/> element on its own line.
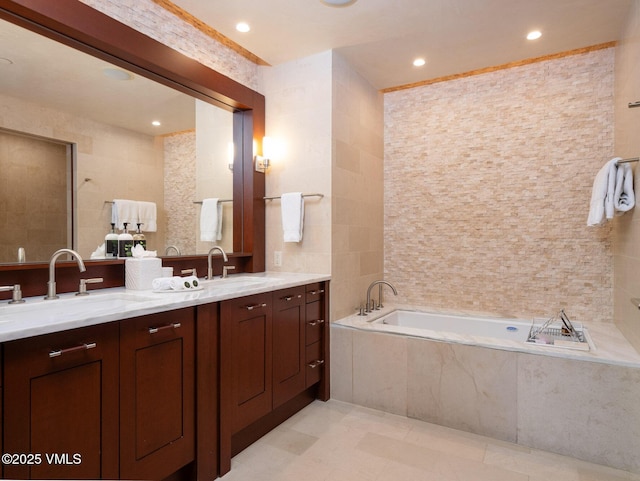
<point x="246" y="362"/>
<point x="61" y="407"/>
<point x="288" y="344"/>
<point x="157" y="394"/>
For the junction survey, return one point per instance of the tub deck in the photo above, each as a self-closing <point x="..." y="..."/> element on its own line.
<point x="608" y="344"/>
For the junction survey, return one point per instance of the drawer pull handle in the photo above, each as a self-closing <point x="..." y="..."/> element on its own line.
<point x="173" y="325"/>
<point x="313" y="293"/>
<point x="290" y="298"/>
<point x="81" y="347"/>
<point x="255" y="306"/>
<point x="316" y="322"/>
<point x="316" y="363"/>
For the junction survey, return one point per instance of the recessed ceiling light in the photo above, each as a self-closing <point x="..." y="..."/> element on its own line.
<point x="243" y="27"/>
<point x="534" y="35"/>
<point x="156" y="123"/>
<point x="116" y="74"/>
<point x="338" y="3"/>
<point x="419" y="62"/>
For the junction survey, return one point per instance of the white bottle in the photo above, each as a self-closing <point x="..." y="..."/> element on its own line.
<point x="125" y="243"/>
<point x="111" y="243"/>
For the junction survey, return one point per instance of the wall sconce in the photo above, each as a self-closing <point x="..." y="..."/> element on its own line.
<point x="231" y="153"/>
<point x="262" y="161"/>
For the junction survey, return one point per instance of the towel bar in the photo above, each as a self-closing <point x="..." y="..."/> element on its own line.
<point x="626" y="161"/>
<point x="303" y="195"/>
<point x="634" y="104"/>
<point x="222" y="200"/>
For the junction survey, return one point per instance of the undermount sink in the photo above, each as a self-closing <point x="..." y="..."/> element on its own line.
<point x="72" y="305"/>
<point x="237" y="280"/>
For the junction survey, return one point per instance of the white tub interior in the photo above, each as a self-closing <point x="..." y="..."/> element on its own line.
<point x="514" y="330"/>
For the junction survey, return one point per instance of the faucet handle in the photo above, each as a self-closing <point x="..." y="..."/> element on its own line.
<point x="17" y="293"/>
<point x="82" y="290"/>
<point x="226" y="269"/>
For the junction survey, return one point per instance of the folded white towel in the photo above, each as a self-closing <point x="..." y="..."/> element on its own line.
<point x="183" y="283"/>
<point x="124" y="211"/>
<point x="147" y="216"/>
<point x="161" y="284"/>
<point x="624" y="198"/>
<point x="612" y="192"/>
<point x="292" y="205"/>
<point x="211" y="220"/>
<point x="175" y="283"/>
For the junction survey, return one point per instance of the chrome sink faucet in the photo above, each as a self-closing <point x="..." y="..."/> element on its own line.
<point x="210" y="261"/>
<point x="368" y="307"/>
<point x="51" y="285"/>
<point x="175" y="248"/>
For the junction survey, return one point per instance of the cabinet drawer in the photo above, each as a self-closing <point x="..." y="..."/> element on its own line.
<point x="315" y="292"/>
<point x="286" y="298"/>
<point x="314" y="324"/>
<point x="314" y="363"/>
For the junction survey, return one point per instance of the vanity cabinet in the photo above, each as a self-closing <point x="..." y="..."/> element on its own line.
<point x="273" y="362"/>
<point x="315" y="334"/>
<point x="157" y="394"/>
<point x="289" y="371"/>
<point x="61" y="404"/>
<point x="245" y="360"/>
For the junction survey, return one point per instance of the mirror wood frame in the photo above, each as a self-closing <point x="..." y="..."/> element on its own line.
<point x="77" y="25"/>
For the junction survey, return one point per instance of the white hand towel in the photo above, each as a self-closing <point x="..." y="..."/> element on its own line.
<point x="161" y="283"/>
<point x="147" y="216"/>
<point x="124" y="211"/>
<point x="292" y="205"/>
<point x="183" y="283"/>
<point x="624" y="198"/>
<point x="211" y="220"/>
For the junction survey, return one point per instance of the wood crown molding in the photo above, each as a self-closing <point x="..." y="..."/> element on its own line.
<point x="518" y="63"/>
<point x="207" y="30"/>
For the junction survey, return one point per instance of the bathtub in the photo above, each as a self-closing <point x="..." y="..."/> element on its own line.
<point x="431" y="325"/>
<point x="479" y="374"/>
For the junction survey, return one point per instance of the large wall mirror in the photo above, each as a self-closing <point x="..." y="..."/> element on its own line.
<point x="77" y="132"/>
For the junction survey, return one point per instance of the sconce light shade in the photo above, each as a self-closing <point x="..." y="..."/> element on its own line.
<point x="262" y="161"/>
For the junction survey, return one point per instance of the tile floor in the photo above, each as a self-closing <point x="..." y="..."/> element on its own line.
<point x="342" y="442"/>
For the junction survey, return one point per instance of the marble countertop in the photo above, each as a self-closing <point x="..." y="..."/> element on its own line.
<point x="37" y="316"/>
<point x="610" y="345"/>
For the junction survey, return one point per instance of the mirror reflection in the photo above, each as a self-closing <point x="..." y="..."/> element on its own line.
<point x="94" y="121"/>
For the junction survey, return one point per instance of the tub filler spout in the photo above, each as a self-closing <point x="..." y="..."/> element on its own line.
<point x="368" y="307"/>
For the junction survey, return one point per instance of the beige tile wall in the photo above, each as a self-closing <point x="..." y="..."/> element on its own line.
<point x="118" y="164"/>
<point x="298" y="118"/>
<point x="487" y="188"/>
<point x="357" y="184"/>
<point x="627" y="228"/>
<point x="33" y="197"/>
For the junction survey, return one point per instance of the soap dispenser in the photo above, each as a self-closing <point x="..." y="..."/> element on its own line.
<point x="139" y="238"/>
<point x="125" y="243"/>
<point x="111" y="243"/>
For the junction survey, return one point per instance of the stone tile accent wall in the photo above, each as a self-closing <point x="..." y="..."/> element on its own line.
<point x="487" y="187"/>
<point x="180" y="185"/>
<point x="163" y="26"/>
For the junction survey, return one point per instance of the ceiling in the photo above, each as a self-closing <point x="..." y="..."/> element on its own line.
<point x="380" y="38"/>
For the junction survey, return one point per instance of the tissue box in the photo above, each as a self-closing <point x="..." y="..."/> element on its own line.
<point x="139" y="273"/>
